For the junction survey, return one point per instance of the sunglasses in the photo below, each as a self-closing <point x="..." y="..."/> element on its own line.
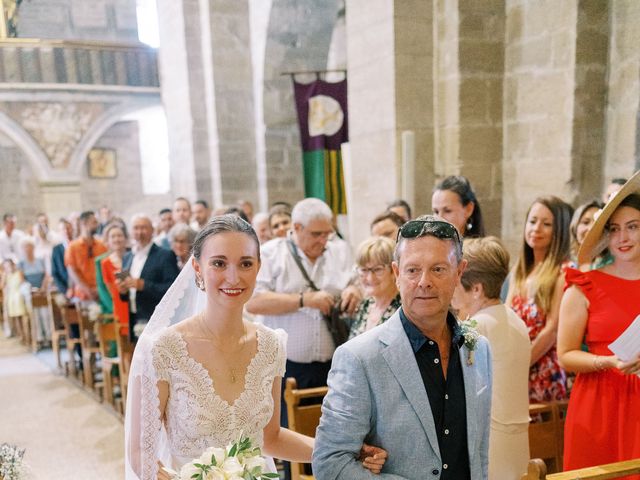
<point x="436" y="228"/>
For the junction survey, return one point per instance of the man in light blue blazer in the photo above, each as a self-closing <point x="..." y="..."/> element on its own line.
<point x="413" y="386"/>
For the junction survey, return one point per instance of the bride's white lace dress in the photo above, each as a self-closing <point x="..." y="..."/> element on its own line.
<point x="196" y="416"/>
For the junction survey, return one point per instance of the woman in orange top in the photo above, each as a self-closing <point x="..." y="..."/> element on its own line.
<point x="116" y="239"/>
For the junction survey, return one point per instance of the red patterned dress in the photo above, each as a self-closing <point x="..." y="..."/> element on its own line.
<point x="547" y="380"/>
<point x="603" y="420"/>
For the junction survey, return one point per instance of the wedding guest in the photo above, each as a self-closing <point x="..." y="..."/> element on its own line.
<point x="260" y="224"/>
<point x="15" y="303"/>
<point x="200" y="214"/>
<point x="454" y="200"/>
<point x="111" y="268"/>
<point x="165" y="222"/>
<point x="382" y="299"/>
<point x="10" y="237"/>
<point x="603" y="420"/>
<point x="581" y="222"/>
<point x="58" y="269"/>
<point x="150" y="271"/>
<point x="237" y="211"/>
<point x="80" y="257"/>
<point x="614" y="185"/>
<point x="478" y="296"/>
<point x="35" y="274"/>
<point x="535" y="291"/>
<point x="387" y="225"/>
<point x="45" y="240"/>
<point x="104" y="218"/>
<point x="181" y="237"/>
<point x="279" y="220"/>
<point x="247" y="207"/>
<point x="181" y="210"/>
<point x="400" y="207"/>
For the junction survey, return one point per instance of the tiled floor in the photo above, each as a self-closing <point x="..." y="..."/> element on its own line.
<point x="67" y="434"/>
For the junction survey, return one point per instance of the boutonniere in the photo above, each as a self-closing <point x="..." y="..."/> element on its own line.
<point x="471" y="336"/>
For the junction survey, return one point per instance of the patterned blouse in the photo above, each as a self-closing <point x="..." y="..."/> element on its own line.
<point x="359" y="323"/>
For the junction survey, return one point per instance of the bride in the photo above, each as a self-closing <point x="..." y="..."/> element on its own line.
<point x="201" y="375"/>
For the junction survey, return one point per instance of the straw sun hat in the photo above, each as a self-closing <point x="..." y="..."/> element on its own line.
<point x="595" y="242"/>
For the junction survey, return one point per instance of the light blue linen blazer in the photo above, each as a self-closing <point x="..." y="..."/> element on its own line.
<point x="376" y="395"/>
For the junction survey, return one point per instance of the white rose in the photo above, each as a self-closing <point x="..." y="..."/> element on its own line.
<point x="215" y="474"/>
<point x="187" y="471"/>
<point x="231" y="466"/>
<point x="257" y="461"/>
<point x="218" y="453"/>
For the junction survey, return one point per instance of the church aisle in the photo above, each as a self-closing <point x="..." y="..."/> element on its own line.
<point x="66" y="433"/>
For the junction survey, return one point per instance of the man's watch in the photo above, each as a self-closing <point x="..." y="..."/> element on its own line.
<point x="301" y="299"/>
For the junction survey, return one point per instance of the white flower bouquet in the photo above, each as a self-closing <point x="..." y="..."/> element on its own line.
<point x="11" y="465"/>
<point x="238" y="461"/>
<point x="471" y="337"/>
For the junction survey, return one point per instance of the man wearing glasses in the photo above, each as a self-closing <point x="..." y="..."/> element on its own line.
<point x="304" y="276"/>
<point x="411" y="386"/>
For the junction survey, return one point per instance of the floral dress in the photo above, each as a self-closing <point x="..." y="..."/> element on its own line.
<point x="547" y="380"/>
<point x="359" y="323"/>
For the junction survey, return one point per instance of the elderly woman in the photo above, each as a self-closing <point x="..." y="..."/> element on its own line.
<point x="373" y="263"/>
<point x="260" y="224"/>
<point x="181" y="237"/>
<point x="603" y="420"/>
<point x="478" y="296"/>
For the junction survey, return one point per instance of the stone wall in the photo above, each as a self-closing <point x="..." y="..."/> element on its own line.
<point x="621" y="157"/>
<point x="539" y="83"/>
<point x="19" y="190"/>
<point x="112" y="20"/>
<point x="124" y="194"/>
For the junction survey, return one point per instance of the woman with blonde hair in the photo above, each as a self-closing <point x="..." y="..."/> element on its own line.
<point x="478" y="296"/>
<point x="373" y="264"/>
<point x="603" y="419"/>
<point x="535" y="292"/>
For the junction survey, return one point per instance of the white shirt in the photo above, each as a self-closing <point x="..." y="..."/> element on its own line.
<point x="309" y="339"/>
<point x="10" y="245"/>
<point x="140" y="255"/>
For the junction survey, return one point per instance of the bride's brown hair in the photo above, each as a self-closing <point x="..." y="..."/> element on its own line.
<point x="223" y="224"/>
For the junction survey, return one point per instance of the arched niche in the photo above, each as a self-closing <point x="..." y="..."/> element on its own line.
<point x="298" y="38"/>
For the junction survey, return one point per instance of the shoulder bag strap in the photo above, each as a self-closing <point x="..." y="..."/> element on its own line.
<point x="296" y="257"/>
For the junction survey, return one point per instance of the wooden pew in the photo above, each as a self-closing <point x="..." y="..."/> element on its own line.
<point x="537" y="471"/>
<point x="302" y="418"/>
<point x="108" y="330"/>
<point x="70" y="317"/>
<point x="546" y="435"/>
<point x="58" y="331"/>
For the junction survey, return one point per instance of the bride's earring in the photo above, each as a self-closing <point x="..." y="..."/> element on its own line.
<point x="199" y="283"/>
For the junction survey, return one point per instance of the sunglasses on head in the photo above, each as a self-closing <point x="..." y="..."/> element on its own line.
<point x="436" y="228"/>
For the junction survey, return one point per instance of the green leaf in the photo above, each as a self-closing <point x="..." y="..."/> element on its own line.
<point x="213" y="461"/>
<point x="234" y="449"/>
<point x="270" y="475"/>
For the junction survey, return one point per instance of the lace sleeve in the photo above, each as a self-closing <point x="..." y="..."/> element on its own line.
<point x="281" y="357"/>
<point x="161" y="359"/>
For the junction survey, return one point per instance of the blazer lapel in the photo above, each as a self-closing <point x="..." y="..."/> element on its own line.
<point x="143" y="273"/>
<point x="401" y="360"/>
<point x="470" y="394"/>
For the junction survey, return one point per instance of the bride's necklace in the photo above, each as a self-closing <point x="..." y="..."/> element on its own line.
<point x="243" y="341"/>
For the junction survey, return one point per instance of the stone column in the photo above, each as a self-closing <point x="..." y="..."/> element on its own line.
<point x="61" y="198"/>
<point x="588" y="150"/>
<point x="390" y="64"/>
<point x="621" y="156"/>
<point x="470" y="69"/>
<point x="539" y="89"/>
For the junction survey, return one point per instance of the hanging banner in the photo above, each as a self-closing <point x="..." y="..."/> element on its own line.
<point x="322" y="116"/>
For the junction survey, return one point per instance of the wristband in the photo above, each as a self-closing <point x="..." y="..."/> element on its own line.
<point x="301" y="299"/>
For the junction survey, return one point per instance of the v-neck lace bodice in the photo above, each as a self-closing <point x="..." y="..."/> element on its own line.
<point x="196" y="416"/>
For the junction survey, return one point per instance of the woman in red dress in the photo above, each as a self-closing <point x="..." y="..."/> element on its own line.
<point x="603" y="420"/>
<point x="116" y="239"/>
<point x="535" y="291"/>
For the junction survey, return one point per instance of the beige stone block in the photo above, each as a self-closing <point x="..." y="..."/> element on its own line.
<point x="474" y="101"/>
<point x="478" y="56"/>
<point x="514" y="22"/>
<point x="413" y="37"/>
<point x="517" y="141"/>
<point x="551" y="137"/>
<point x="417" y="10"/>
<point x="483" y="144"/>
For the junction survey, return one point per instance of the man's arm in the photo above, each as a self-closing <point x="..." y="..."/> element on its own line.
<point x="166" y="269"/>
<point x="274" y="303"/>
<point x="345" y="422"/>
